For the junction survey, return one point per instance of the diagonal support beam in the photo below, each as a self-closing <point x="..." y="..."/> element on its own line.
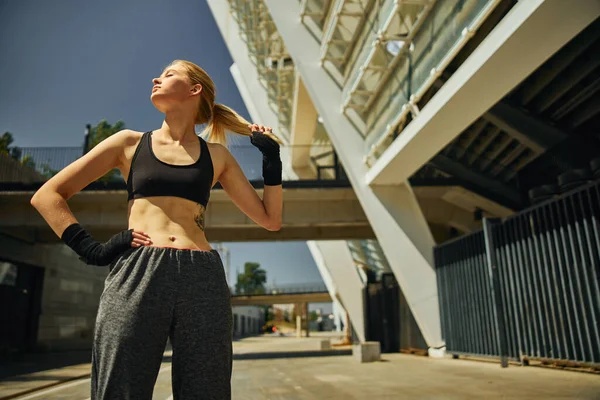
<point x="393" y="212"/>
<point x="334" y="261"/>
<point x="526" y="128"/>
<point x="501" y="192"/>
<point x="304" y="125"/>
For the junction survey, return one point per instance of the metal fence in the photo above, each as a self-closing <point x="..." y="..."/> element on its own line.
<point x="526" y="287"/>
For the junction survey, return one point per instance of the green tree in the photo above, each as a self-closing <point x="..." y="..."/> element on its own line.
<point x="5" y="142"/>
<point x="28" y="162"/>
<point x="252" y="280"/>
<point x="103" y="130"/>
<point x="313" y="315"/>
<point x="14" y="152"/>
<point x="97" y="134"/>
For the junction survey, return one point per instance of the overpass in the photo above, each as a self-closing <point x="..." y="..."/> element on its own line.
<point x="268" y="299"/>
<point x="313" y="210"/>
<point x="284" y="294"/>
<point x="308" y="213"/>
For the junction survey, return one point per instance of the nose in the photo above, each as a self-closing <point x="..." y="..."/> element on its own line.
<point x="156" y="81"/>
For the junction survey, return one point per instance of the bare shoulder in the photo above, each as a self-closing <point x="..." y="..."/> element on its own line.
<point x="220" y="157"/>
<point x="129" y="137"/>
<point x="123" y="138"/>
<point x="218" y="152"/>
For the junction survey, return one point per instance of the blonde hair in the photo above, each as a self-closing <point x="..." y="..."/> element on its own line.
<point x="219" y="117"/>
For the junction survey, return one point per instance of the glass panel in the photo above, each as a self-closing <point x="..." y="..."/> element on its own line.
<point x="433" y="43"/>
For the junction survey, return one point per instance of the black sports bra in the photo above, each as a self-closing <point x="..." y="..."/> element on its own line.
<point x="149" y="176"/>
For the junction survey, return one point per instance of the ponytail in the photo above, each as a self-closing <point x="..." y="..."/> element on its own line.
<point x="225" y="119"/>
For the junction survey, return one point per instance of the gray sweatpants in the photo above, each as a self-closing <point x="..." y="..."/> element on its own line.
<point x="152" y="293"/>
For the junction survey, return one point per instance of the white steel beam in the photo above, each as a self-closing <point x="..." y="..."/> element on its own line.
<point x="393" y="212"/>
<point x="304" y="125"/>
<point x="523" y="40"/>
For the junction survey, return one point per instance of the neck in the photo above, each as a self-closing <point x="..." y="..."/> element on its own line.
<point x="177" y="127"/>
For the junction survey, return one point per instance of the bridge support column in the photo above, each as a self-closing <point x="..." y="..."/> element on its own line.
<point x="334" y="261"/>
<point x="307" y="318"/>
<point x="298" y="323"/>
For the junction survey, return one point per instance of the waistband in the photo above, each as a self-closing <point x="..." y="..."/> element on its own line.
<point x="174" y="251"/>
<point x="179" y="249"/>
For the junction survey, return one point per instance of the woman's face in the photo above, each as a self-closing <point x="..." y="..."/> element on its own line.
<point x="172" y="88"/>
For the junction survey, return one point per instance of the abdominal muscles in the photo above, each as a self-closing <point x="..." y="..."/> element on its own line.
<point x="169" y="221"/>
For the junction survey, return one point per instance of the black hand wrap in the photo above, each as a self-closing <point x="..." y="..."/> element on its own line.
<point x="93" y="252"/>
<point x="272" y="168"/>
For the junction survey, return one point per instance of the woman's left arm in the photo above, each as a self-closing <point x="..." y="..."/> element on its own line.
<point x="265" y="212"/>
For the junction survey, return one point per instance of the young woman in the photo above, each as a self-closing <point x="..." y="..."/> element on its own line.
<point x="164" y="279"/>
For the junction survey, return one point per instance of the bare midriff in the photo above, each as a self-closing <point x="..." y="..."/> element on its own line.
<point x="169" y="221"/>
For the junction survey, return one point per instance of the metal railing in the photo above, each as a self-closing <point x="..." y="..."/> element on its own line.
<point x="314" y="11"/>
<point x="526" y="287"/>
<point x="443" y="34"/>
<point x="267" y="51"/>
<point x="35" y="165"/>
<point x="290" y="288"/>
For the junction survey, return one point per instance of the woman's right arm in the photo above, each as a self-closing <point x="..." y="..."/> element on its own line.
<point x="51" y="199"/>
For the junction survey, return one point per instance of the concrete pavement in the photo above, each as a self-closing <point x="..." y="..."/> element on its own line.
<point x="340" y="377"/>
<point x="31" y="373"/>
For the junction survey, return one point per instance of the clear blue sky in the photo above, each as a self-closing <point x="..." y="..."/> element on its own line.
<point x="67" y="63"/>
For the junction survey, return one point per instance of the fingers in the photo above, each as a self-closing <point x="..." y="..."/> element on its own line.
<point x="140" y="239"/>
<point x="260" y="128"/>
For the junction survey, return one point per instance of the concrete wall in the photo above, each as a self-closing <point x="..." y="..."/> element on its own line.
<point x="70" y="294"/>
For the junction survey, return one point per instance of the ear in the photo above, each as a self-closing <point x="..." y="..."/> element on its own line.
<point x="196" y="89"/>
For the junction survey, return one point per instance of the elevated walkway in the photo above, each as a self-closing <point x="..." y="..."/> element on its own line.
<point x="283" y="298"/>
<point x="309" y="213"/>
<point x="284" y="294"/>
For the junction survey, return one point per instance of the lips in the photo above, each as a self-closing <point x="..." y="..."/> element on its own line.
<point x="155" y="88"/>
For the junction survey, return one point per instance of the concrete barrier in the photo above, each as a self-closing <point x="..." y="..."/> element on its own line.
<point x="366" y="352"/>
<point x="325" y="344"/>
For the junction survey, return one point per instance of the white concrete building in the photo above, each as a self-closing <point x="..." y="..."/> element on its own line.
<point x="433" y="109"/>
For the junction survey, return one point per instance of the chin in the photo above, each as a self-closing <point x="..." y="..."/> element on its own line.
<point x="155" y="101"/>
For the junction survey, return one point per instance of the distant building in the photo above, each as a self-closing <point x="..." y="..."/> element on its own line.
<point x="247" y="320"/>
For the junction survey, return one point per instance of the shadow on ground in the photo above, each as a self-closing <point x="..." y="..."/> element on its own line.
<point x="28" y="363"/>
